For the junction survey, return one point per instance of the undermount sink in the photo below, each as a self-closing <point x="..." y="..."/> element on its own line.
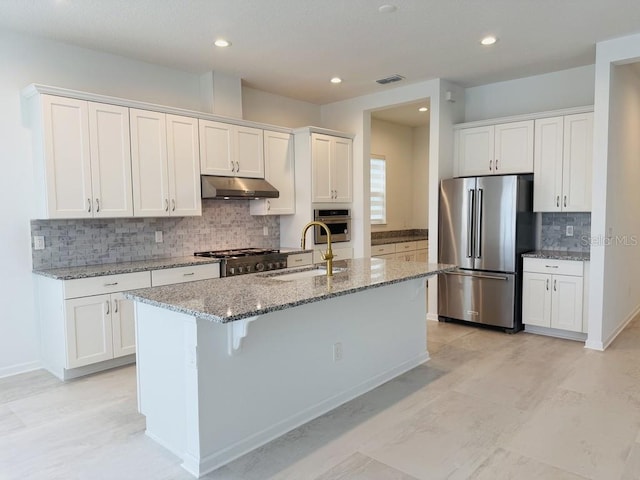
<point x="285" y="276"/>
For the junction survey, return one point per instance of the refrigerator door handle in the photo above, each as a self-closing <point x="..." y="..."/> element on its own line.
<point x="470" y="213"/>
<point x="477" y="275"/>
<point x="478" y="225"/>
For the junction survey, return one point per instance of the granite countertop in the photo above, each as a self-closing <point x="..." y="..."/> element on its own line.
<point x="229" y="299"/>
<point x="73" y="273"/>
<point x="559" y="255"/>
<point x="398" y="239"/>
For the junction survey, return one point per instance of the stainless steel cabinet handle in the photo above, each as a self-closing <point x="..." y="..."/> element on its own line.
<point x="551" y="266"/>
<point x="110" y="284"/>
<point x="489" y="277"/>
<point x="479" y="209"/>
<point x="173" y="204"/>
<point x="89" y="205"/>
<point x="189" y="274"/>
<point x="496" y="164"/>
<point x="97" y="204"/>
<point x="115" y="306"/>
<point x="547" y="284"/>
<point x="166" y="204"/>
<point x="268" y="205"/>
<point x="233" y="167"/>
<point x="108" y="306"/>
<point x="490" y="165"/>
<point x="555" y="282"/>
<point x="557" y="200"/>
<point x="237" y="167"/>
<point x="565" y="200"/>
<point x="470" y="211"/>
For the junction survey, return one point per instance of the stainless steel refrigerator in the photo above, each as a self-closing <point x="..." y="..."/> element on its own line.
<point x="485" y="224"/>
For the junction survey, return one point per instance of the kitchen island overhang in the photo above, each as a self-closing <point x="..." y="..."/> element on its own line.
<point x="226" y="365"/>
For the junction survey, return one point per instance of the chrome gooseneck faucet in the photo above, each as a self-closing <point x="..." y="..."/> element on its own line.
<point x="326" y="256"/>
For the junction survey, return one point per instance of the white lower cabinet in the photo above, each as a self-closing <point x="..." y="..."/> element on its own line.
<point x="553" y="294"/>
<point x="299" y="259"/>
<point x="417" y="251"/>
<point x="87" y="325"/>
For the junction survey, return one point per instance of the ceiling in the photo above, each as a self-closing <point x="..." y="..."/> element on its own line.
<point x="293" y="47"/>
<point x="408" y="114"/>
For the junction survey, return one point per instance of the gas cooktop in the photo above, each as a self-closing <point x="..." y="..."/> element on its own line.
<point x="247" y="260"/>
<point x="236" y="252"/>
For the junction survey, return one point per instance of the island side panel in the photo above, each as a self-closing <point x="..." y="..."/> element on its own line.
<point x="285" y="374"/>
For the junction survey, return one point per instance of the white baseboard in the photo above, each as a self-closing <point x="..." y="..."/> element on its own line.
<point x="19" y="368"/>
<point x="555" y="332"/>
<point x="620" y="328"/>
<point x="222" y="457"/>
<point x="433" y="317"/>
<point x="72" y="373"/>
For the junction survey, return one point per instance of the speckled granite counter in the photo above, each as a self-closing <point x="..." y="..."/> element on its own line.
<point x="87" y="271"/>
<point x="399" y="239"/>
<point x="234" y="298"/>
<point x="559" y="255"/>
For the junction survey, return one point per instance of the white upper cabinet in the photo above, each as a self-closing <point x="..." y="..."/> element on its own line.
<point x="562" y="167"/>
<point x="184" y="166"/>
<point x="279" y="171"/>
<point x="85" y="163"/>
<point x="332" y="166"/>
<point x="165" y="164"/>
<point x="504" y="148"/>
<point x="231" y="150"/>
<point x="110" y="160"/>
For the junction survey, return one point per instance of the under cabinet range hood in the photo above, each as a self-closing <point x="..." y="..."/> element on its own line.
<point x="214" y="186"/>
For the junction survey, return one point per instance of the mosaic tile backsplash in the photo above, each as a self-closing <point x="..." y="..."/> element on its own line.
<point x="223" y="224"/>
<point x="553" y="229"/>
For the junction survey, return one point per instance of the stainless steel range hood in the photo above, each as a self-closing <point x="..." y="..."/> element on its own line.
<point x="214" y="186"/>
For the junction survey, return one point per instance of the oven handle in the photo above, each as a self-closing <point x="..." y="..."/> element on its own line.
<point x="332" y="219"/>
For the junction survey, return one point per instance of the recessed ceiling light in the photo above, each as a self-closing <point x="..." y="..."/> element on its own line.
<point x="423" y="109"/>
<point x="488" y="40"/>
<point x="221" y="42"/>
<point x="387" y="8"/>
<point x="336" y="80"/>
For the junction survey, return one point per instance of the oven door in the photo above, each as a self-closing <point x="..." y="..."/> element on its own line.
<point x="339" y="228"/>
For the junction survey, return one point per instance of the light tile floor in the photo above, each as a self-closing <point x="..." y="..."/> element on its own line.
<point x="487" y="406"/>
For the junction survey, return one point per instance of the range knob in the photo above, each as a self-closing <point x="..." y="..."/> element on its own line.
<point x="270" y="266"/>
<point x="240" y="269"/>
<point x="259" y="267"/>
<point x="249" y="268"/>
<point x="232" y="271"/>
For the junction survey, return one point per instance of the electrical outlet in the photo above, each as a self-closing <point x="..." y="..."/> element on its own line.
<point x="38" y="242"/>
<point x="569" y="230"/>
<point x="158" y="236"/>
<point x="265" y="231"/>
<point x="337" y="352"/>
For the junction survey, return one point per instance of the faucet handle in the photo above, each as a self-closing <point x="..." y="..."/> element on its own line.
<point x="327" y="255"/>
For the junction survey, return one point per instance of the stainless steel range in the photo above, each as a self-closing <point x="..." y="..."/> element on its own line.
<point x="247" y="260"/>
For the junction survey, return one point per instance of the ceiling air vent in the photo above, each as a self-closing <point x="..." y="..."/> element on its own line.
<point x="391" y="79"/>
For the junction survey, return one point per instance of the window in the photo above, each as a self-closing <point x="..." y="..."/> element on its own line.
<point x="378" y="189"/>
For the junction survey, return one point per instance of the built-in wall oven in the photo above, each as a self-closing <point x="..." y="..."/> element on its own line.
<point x="339" y="223"/>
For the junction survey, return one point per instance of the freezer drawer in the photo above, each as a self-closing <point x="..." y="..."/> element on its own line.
<point x="487" y="298"/>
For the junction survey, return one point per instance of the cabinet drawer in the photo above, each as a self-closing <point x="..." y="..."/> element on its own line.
<point x="191" y="273"/>
<point x="299" y="259"/>
<point x="422" y="244"/>
<point x="405" y="247"/>
<point x="83" y="287"/>
<point x="555" y="267"/>
<point x="383" y="249"/>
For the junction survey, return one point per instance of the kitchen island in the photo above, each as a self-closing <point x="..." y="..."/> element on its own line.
<point x="226" y="365"/>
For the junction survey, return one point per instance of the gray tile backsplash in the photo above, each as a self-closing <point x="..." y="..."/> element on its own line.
<point x="553" y="227"/>
<point x="223" y="224"/>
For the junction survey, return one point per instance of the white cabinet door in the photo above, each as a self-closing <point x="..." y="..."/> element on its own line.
<point x="216" y="148"/>
<point x="123" y="321"/>
<point x="88" y="330"/>
<point x="566" y="313"/>
<point x="67" y="158"/>
<point x="183" y="157"/>
<point x="536" y="299"/>
<point x="422" y="255"/>
<point x="547" y="168"/>
<point x="249" y="152"/>
<point x="110" y="160"/>
<point x="279" y="171"/>
<point x="341" y="170"/>
<point x="513" y="148"/>
<point x="321" y="187"/>
<point x="577" y="162"/>
<point x="475" y="151"/>
<point x="149" y="163"/>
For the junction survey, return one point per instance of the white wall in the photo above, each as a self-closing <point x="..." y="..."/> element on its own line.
<point x="615" y="289"/>
<point x="264" y="107"/>
<point x="551" y="91"/>
<point x="420" y="205"/>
